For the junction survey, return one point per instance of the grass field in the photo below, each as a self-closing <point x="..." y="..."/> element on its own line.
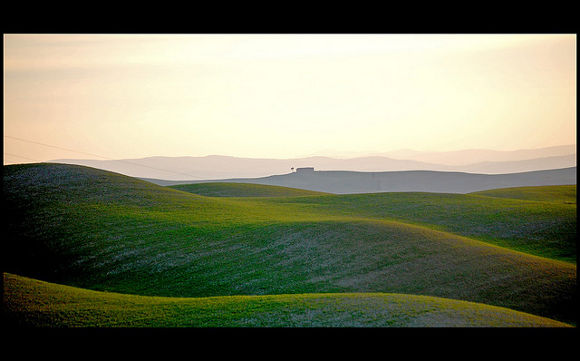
<point x="98" y="230"/>
<point x="553" y="194"/>
<point x="540" y="228"/>
<point x="33" y="303"/>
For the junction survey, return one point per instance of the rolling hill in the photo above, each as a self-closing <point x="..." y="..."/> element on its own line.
<point x="519" y="166"/>
<point x="226" y="167"/>
<point x="537" y="227"/>
<point x="102" y="231"/>
<point x="42" y="304"/>
<point x="475" y="156"/>
<point x="554" y="194"/>
<point x="344" y="182"/>
<point x="243" y="190"/>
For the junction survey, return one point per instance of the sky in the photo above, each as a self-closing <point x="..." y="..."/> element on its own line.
<point x="119" y="96"/>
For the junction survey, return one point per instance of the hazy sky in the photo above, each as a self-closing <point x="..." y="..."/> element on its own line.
<point x="283" y="96"/>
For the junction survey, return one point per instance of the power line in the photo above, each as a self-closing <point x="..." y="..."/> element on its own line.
<point x="57" y="147"/>
<point x="92" y="154"/>
<point x="19" y="156"/>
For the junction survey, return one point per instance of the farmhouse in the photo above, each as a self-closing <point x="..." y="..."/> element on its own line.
<point x="306" y="170"/>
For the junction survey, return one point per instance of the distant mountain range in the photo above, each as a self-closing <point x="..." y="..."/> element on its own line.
<point x="475" y="156"/>
<point x="223" y="167"/>
<point x="346" y="182"/>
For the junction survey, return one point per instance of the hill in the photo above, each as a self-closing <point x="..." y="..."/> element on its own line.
<point x="98" y="230"/>
<point x="535" y="227"/>
<point x="555" y="194"/>
<point x="519" y="166"/>
<point x="30" y="302"/>
<point x="226" y="167"/>
<point x="243" y="190"/>
<point x="475" y="156"/>
<point x="345" y="182"/>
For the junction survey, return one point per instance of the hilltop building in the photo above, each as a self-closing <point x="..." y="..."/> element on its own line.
<point x="305" y="170"/>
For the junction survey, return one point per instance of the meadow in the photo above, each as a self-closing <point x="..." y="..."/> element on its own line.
<point x="208" y="248"/>
<point x="41" y="304"/>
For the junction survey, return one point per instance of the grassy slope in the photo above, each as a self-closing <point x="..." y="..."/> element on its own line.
<point x="40" y="304"/>
<point x="547" y="230"/>
<point x="243" y="190"/>
<point x="555" y="194"/>
<point x="98" y="230"/>
<point x="540" y="228"/>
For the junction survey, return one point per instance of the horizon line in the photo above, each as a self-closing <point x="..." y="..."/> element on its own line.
<point x="365" y="154"/>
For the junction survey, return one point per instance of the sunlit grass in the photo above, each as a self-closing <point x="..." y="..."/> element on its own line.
<point x="33" y="303"/>
<point x="555" y="194"/>
<point x="103" y="231"/>
<point x="540" y="228"/>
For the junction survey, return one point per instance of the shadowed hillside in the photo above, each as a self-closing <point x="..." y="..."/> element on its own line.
<point x="98" y="230"/>
<point x="243" y="190"/>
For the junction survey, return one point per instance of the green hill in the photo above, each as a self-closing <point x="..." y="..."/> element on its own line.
<point x="98" y="230"/>
<point x="242" y="190"/>
<point x="33" y="303"/>
<point x="556" y="194"/>
<point x="536" y="227"/>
